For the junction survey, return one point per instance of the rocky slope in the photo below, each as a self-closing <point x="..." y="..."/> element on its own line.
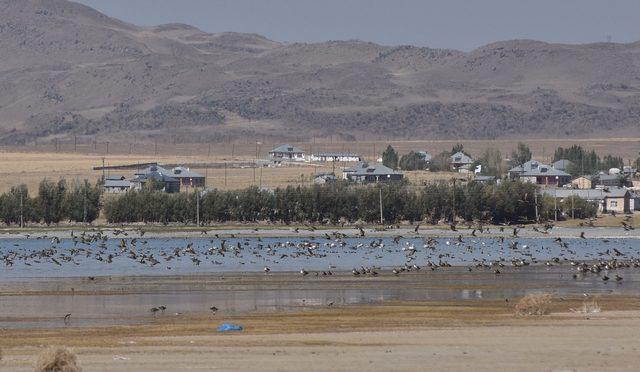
<point x="68" y="70"/>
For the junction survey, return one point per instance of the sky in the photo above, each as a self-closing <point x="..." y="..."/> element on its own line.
<point x="456" y="24"/>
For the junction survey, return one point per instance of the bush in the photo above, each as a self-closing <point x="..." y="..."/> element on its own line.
<point x="534" y="304"/>
<point x="57" y="360"/>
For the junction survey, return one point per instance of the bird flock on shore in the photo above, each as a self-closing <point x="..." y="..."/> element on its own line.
<point x="477" y="249"/>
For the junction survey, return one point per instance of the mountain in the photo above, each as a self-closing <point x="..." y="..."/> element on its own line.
<point x="68" y="70"/>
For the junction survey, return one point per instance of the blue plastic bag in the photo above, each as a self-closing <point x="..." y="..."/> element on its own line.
<point x="229" y="327"/>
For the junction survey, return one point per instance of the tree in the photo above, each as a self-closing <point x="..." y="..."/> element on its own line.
<point x="440" y="162"/>
<point x="520" y="155"/>
<point x="16" y="206"/>
<point x="583" y="162"/>
<point x="611" y="161"/>
<point x="390" y="158"/>
<point x="491" y="162"/>
<point x="412" y="161"/>
<point x="458" y="147"/>
<point x="83" y="202"/>
<point x="50" y="201"/>
<point x="578" y="207"/>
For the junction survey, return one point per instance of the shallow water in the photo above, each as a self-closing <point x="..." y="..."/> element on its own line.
<point x="127" y="300"/>
<point x="36" y="257"/>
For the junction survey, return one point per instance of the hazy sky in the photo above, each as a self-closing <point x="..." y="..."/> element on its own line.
<point x="459" y="24"/>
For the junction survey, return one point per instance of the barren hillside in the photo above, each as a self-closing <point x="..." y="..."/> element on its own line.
<point x="67" y="70"/>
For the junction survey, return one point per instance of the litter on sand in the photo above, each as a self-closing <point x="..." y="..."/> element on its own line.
<point x="229" y="327"/>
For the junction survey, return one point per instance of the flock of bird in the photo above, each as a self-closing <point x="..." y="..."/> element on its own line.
<point x="477" y="249"/>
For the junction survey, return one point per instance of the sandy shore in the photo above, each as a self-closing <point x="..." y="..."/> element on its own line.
<point x="461" y="335"/>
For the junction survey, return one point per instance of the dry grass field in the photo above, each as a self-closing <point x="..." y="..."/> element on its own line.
<point x="31" y="167"/>
<point x="30" y="164"/>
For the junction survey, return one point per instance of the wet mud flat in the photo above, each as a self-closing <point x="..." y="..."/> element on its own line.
<point x="42" y="303"/>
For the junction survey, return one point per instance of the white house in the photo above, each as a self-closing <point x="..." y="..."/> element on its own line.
<point x="335" y="156"/>
<point x="287" y="152"/>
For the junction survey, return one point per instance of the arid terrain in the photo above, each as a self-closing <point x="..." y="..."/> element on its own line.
<point x="67" y="70"/>
<point x="30" y="164"/>
<point x="479" y="335"/>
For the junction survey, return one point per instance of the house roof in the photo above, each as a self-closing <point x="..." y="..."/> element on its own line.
<point x="425" y="155"/>
<point x="114" y="177"/>
<point x="153" y="168"/>
<point x="588" y="194"/>
<point x="461" y="158"/>
<point x="286" y="148"/>
<point x="116" y="183"/>
<point x="609" y="177"/>
<point x="160" y="177"/>
<point x="545" y="170"/>
<point x="337" y="154"/>
<point x="367" y="169"/>
<point x="562" y="164"/>
<point x="526" y="167"/>
<point x="183" y="172"/>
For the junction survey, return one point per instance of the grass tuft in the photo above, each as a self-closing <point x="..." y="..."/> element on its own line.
<point x="534" y="304"/>
<point x="57" y="360"/>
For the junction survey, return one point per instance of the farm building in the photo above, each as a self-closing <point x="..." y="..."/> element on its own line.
<point x="287" y="152"/>
<point x="335" y="156"/>
<point x="538" y="173"/>
<point x="365" y="172"/>
<point x="461" y="162"/>
<point x="166" y="183"/>
<point x="614" y="199"/>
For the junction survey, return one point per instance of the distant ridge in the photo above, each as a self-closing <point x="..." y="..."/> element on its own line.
<point x="68" y="70"/>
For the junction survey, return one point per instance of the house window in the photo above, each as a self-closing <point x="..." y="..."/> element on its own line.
<point x="614" y="204"/>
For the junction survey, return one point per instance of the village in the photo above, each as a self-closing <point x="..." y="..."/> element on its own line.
<point x="613" y="190"/>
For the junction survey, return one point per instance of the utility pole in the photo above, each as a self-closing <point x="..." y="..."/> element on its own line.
<point x="197" y="208"/>
<point x="381" y="215"/>
<point x="155" y="147"/>
<point x="21" y="209"/>
<point x="535" y="198"/>
<point x="84" y="206"/>
<point x="453" y="202"/>
<point x="225" y="173"/>
<point x="103" y="170"/>
<point x="209" y="151"/>
<point x="572" y="207"/>
<point x="555" y="205"/>
<point x="75" y="143"/>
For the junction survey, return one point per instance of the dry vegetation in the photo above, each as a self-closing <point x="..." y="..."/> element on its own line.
<point x="534" y="304"/>
<point x="30" y="164"/>
<point x="57" y="360"/>
<point x="588" y="307"/>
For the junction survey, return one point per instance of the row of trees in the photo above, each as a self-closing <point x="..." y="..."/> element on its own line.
<point x="587" y="162"/>
<point x="493" y="163"/>
<point x="509" y="202"/>
<point x="415" y="161"/>
<point x="55" y="202"/>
